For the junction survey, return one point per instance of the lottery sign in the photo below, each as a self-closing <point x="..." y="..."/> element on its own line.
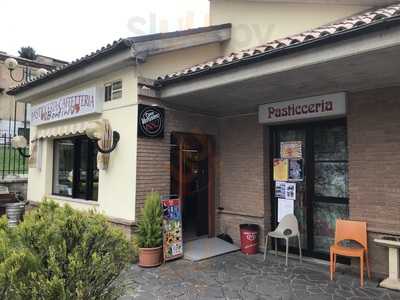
<point x="172" y="228"/>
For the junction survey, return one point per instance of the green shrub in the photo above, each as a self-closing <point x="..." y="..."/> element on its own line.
<point x="60" y="253"/>
<point x="149" y="233"/>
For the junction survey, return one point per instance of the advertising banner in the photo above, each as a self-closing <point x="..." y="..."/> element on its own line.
<point x="324" y="106"/>
<point x="77" y="104"/>
<point x="172" y="229"/>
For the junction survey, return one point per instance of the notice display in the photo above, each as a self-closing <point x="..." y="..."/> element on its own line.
<point x="285" y="190"/>
<point x="66" y="107"/>
<point x="296" y="170"/>
<point x="151" y="121"/>
<point x="317" y="107"/>
<point x="291" y="149"/>
<point x="285" y="207"/>
<point x="280" y="189"/>
<point x="281" y="169"/>
<point x="172" y="229"/>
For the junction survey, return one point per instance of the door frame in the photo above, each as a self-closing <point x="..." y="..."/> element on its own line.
<point x="211" y="148"/>
<point x="309" y="170"/>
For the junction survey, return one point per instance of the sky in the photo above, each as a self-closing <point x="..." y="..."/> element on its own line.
<point x="70" y="29"/>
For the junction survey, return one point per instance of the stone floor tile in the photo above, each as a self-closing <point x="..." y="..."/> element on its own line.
<point x="236" y="276"/>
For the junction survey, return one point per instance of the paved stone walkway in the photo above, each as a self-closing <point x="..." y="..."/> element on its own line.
<point x="236" y="276"/>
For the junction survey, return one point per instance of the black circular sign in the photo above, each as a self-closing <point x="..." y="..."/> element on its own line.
<point x="151" y="121"/>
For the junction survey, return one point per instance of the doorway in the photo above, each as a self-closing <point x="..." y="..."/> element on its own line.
<point x="322" y="188"/>
<point x="192" y="158"/>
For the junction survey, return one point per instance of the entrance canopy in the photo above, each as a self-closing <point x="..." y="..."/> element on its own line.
<point x="366" y="57"/>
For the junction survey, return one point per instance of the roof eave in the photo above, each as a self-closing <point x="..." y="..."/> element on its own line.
<point x="74" y="66"/>
<point x="283" y="51"/>
<point x="89" y="71"/>
<point x="279" y="63"/>
<point x="140" y="48"/>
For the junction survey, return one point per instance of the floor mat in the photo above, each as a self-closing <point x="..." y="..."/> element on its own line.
<point x="206" y="248"/>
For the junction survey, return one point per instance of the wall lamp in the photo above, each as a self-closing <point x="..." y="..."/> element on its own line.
<point x="98" y="131"/>
<point x="12" y="64"/>
<point x="19" y="142"/>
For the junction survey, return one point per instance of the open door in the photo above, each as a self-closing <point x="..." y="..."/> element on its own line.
<point x="191" y="179"/>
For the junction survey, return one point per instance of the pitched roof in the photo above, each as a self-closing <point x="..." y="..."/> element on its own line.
<point x="114" y="47"/>
<point x="29" y="62"/>
<point x="357" y="22"/>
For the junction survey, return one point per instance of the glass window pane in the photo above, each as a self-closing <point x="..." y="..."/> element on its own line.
<point x="325" y="215"/>
<point x="95" y="172"/>
<point x="117" y="94"/>
<point x="117" y="85"/>
<point x="291" y="135"/>
<point x="330" y="143"/>
<point x="63" y="167"/>
<point x="331" y="179"/>
<point x="88" y="173"/>
<point x="107" y="96"/>
<point x="83" y="170"/>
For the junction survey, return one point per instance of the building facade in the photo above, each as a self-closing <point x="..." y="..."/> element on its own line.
<point x="304" y="122"/>
<point x="9" y="111"/>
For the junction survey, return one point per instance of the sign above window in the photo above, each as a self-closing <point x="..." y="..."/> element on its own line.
<point x="151" y="121"/>
<point x="332" y="105"/>
<point x="78" y="104"/>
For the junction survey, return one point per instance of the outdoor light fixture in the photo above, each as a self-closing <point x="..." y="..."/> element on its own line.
<point x="19" y="142"/>
<point x="97" y="131"/>
<point x="11" y="64"/>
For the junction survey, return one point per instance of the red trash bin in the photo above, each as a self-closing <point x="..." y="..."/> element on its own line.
<point x="249" y="238"/>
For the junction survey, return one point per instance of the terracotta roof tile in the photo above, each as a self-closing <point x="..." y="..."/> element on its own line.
<point x="105" y="50"/>
<point x="368" y="18"/>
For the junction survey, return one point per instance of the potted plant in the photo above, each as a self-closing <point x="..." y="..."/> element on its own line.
<point x="15" y="210"/>
<point x="149" y="235"/>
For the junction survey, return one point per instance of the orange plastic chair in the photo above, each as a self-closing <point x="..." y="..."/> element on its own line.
<point x="354" y="231"/>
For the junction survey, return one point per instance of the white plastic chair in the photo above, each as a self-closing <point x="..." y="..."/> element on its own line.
<point x="288" y="222"/>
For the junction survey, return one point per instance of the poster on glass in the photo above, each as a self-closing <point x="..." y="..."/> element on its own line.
<point x="285" y="207"/>
<point x="296" y="170"/>
<point x="281" y="169"/>
<point x="285" y="190"/>
<point x="293" y="149"/>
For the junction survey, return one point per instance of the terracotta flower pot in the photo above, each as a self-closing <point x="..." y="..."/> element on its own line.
<point x="150" y="257"/>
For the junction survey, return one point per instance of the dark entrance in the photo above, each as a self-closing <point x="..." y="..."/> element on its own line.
<point x="322" y="194"/>
<point x="192" y="179"/>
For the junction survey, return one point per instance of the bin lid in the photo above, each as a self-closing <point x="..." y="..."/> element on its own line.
<point x="249" y="226"/>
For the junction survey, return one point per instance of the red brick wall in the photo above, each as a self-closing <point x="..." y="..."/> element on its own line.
<point x="374" y="154"/>
<point x="239" y="182"/>
<point x="374" y="164"/>
<point x="241" y="173"/>
<point x="153" y="158"/>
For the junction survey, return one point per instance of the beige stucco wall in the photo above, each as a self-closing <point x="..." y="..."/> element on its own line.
<point x="255" y="23"/>
<point x="7" y="102"/>
<point x="169" y="62"/>
<point x="117" y="185"/>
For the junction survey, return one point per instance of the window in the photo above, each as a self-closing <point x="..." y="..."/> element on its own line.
<point x="113" y="90"/>
<point x="24" y="132"/>
<point x="75" y="172"/>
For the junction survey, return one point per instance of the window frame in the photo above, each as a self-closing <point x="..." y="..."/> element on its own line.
<point x="113" y="91"/>
<point x="76" y="168"/>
